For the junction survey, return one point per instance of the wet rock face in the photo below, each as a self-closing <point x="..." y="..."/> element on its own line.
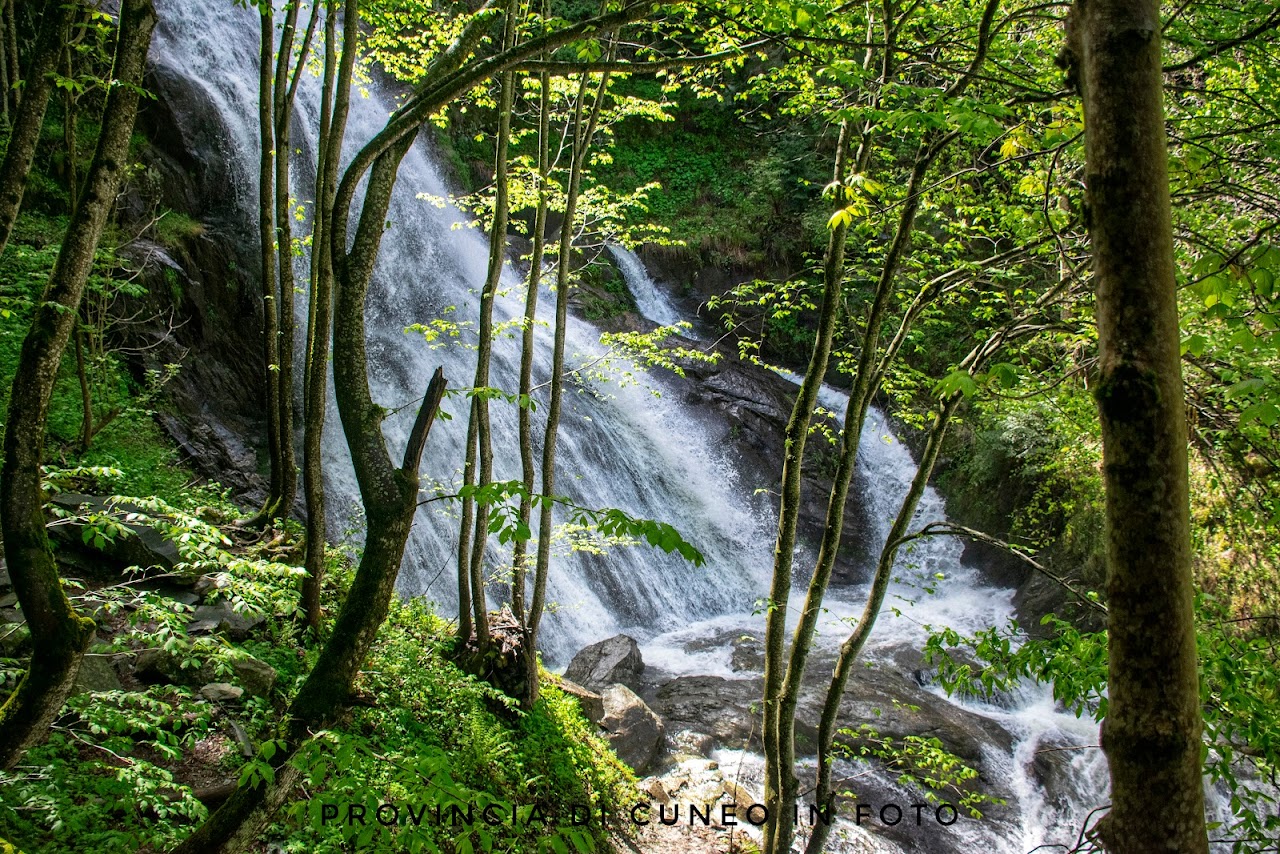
<point x="615" y="660"/>
<point x="725" y="709"/>
<point x="201" y="288"/>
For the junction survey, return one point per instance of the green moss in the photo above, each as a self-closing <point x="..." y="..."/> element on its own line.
<point x="173" y="228"/>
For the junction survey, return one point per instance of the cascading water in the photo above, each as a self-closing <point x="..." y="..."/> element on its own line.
<point x="620" y="447"/>
<point x="652" y="302"/>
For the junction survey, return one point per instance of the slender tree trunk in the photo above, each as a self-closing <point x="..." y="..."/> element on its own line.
<point x="493" y="277"/>
<point x="527" y="465"/>
<point x="824" y="796"/>
<point x="86" y="396"/>
<point x="583" y="131"/>
<point x="287" y="77"/>
<point x="8" y="59"/>
<point x="780" y="779"/>
<point x="788" y="695"/>
<point x="267" y="259"/>
<point x="333" y="117"/>
<point x="69" y="128"/>
<point x="58" y="634"/>
<point x="54" y="25"/>
<point x="1152" y="732"/>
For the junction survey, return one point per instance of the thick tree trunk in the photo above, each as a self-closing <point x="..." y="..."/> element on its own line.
<point x="1152" y="732"/>
<point x="58" y="635"/>
<point x="29" y="116"/>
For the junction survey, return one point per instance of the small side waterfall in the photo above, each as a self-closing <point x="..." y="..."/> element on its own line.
<point x="652" y="302"/>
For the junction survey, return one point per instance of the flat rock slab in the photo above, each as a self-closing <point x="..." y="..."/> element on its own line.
<point x="144" y="547"/>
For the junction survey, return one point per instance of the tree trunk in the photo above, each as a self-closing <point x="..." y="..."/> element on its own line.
<point x="582" y="134"/>
<point x="267" y="259"/>
<point x="527" y="465"/>
<point x="333" y="119"/>
<point x="780" y="779"/>
<point x="493" y="276"/>
<point x="282" y="114"/>
<point x="824" y="797"/>
<point x="58" y="634"/>
<point x="1152" y="732"/>
<point x="29" y="118"/>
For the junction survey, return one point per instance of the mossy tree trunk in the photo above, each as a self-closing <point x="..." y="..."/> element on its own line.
<point x="335" y="100"/>
<point x="59" y="636"/>
<point x="1152" y="732"/>
<point x="28" y="118"/>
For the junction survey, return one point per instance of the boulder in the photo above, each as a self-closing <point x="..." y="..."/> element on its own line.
<point x="144" y="546"/>
<point x="688" y="742"/>
<point x="613" y="661"/>
<point x="161" y="665"/>
<point x="725" y="709"/>
<point x="635" y="733"/>
<point x="748" y="654"/>
<point x="257" y="677"/>
<point x="15" y="639"/>
<point x="221" y="617"/>
<point x="221" y="692"/>
<point x="96" y="674"/>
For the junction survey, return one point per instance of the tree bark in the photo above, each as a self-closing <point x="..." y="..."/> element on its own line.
<point x="780" y="779"/>
<point x="1152" y="732"/>
<point x="29" y="117"/>
<point x="852" y="647"/>
<point x="267" y="259"/>
<point x="493" y="276"/>
<point x="59" y="636"/>
<point x="335" y="101"/>
<point x="528" y="469"/>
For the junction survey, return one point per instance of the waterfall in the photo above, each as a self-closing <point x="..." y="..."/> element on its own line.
<point x="652" y="301"/>
<point x="620" y="447"/>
